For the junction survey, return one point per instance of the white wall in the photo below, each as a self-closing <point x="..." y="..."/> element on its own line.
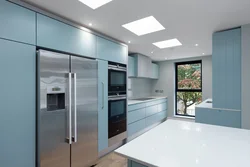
<point x="167" y="80"/>
<point x="139" y="87"/>
<point x="245" y="81"/>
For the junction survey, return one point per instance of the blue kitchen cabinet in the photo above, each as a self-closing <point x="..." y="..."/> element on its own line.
<point x="220" y="117"/>
<point x="57" y="35"/>
<point x="144" y="116"/>
<point x="111" y="51"/>
<point x="136" y="127"/>
<point x="102" y="105"/>
<point x="131" y="66"/>
<point x="134" y="164"/>
<point x="155" y="71"/>
<point x="18" y="104"/>
<point x="17" y="23"/>
<point x="226" y="62"/>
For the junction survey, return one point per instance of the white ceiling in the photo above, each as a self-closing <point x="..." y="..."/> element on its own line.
<point x="190" y="21"/>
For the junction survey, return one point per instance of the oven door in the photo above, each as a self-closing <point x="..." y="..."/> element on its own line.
<point x="117" y="116"/>
<point x="117" y="80"/>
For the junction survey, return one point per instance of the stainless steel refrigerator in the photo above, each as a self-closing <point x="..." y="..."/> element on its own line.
<point x="68" y="113"/>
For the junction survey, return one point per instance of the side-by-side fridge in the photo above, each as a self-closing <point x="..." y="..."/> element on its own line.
<point x="68" y="113"/>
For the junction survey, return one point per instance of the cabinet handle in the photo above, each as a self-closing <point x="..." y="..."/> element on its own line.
<point x="102" y="95"/>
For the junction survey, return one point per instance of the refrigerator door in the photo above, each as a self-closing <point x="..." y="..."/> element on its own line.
<point x="84" y="151"/>
<point x="53" y="117"/>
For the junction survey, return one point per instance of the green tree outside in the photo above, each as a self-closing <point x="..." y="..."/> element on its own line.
<point x="189" y="77"/>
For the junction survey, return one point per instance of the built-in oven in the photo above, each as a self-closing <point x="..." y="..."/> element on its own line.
<point x="117" y="119"/>
<point x="117" y="79"/>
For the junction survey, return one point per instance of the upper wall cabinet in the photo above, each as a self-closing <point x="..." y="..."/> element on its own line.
<point x="17" y="23"/>
<point x="131" y="66"/>
<point x="111" y="51"/>
<point x="56" y="35"/>
<point x="155" y="71"/>
<point x="227" y="69"/>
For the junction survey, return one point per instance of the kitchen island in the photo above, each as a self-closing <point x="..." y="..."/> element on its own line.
<point x="187" y="144"/>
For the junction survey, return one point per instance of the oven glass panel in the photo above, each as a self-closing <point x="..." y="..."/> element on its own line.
<point x="117" y="78"/>
<point x="117" y="108"/>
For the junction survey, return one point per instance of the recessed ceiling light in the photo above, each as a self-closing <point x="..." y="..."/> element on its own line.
<point x="196" y="44"/>
<point x="152" y="52"/>
<point x="94" y="4"/>
<point x="144" y="26"/>
<point x="203" y="53"/>
<point x="166" y="58"/>
<point x="168" y="43"/>
<point x="129" y="41"/>
<point x="90" y="24"/>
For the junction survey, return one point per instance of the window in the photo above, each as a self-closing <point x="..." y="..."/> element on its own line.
<point x="188" y="85"/>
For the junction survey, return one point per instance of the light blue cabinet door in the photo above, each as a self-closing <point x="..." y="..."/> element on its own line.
<point x="102" y="105"/>
<point x="136" y="127"/>
<point x="155" y="71"/>
<point x="134" y="164"/>
<point x="131" y="66"/>
<point x="111" y="51"/>
<point x="18" y="104"/>
<point x="227" y="69"/>
<point x="56" y="35"/>
<point x="218" y="117"/>
<point x="17" y="23"/>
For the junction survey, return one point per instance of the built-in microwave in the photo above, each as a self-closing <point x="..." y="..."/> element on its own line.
<point x="117" y="119"/>
<point x="117" y="79"/>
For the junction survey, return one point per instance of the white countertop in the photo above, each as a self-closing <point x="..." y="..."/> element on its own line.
<point x="130" y="102"/>
<point x="204" y="104"/>
<point x="187" y="144"/>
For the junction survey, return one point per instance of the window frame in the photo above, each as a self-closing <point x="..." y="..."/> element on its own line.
<point x="185" y="90"/>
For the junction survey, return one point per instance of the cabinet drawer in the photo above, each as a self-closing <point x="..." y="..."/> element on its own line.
<point x="136" y="115"/>
<point x="17" y="23"/>
<point x="136" y="127"/>
<point x="136" y="106"/>
<point x="155" y="118"/>
<point x="162" y="107"/>
<point x="155" y="102"/>
<point x="151" y="110"/>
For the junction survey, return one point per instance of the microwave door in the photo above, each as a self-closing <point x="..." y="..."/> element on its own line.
<point x="117" y="81"/>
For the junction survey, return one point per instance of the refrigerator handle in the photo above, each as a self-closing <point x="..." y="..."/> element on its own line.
<point x="69" y="113"/>
<point x="102" y="95"/>
<point x="75" y="110"/>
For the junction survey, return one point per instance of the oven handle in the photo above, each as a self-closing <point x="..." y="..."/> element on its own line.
<point x="117" y="98"/>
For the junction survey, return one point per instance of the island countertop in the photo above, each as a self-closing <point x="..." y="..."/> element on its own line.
<point x="187" y="144"/>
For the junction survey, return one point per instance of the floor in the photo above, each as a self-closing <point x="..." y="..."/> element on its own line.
<point x="112" y="160"/>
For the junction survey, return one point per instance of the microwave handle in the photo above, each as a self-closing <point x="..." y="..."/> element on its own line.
<point x="118" y="69"/>
<point x="117" y="98"/>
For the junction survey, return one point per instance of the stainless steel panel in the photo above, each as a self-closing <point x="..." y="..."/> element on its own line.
<point x="53" y="127"/>
<point x="84" y="152"/>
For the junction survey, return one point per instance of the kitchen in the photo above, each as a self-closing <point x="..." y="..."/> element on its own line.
<point x="88" y="90"/>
